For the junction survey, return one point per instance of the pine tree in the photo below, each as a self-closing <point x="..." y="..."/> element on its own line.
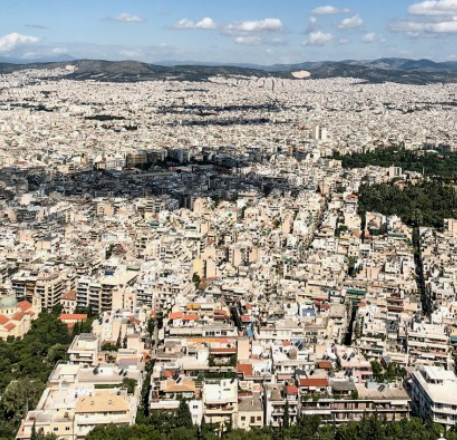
<point x="183" y="415"/>
<point x="34" y="435"/>
<point x="286" y="423"/>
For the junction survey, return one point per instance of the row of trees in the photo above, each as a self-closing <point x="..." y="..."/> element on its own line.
<point x="425" y="204"/>
<point x="436" y="165"/>
<point x="307" y="428"/>
<point x="25" y="366"/>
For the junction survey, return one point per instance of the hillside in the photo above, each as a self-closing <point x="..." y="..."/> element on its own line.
<point x="378" y="71"/>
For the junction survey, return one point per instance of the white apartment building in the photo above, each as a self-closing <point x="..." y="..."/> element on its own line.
<point x="433" y="395"/>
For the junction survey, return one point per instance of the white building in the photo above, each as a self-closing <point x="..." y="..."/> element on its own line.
<point x="433" y="394"/>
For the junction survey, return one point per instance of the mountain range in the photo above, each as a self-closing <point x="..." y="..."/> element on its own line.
<point x="398" y="70"/>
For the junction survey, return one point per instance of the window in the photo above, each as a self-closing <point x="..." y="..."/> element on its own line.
<point x="252" y="419"/>
<point x="243" y="418"/>
<point x="67" y="428"/>
<point x="259" y="418"/>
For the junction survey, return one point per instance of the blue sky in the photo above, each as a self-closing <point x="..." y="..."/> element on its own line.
<point x="253" y="31"/>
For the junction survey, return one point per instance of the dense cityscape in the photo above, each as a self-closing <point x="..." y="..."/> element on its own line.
<point x="261" y="255"/>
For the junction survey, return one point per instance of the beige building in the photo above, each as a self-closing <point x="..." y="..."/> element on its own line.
<point x="250" y="412"/>
<point x="70" y="414"/>
<point x="16" y="317"/>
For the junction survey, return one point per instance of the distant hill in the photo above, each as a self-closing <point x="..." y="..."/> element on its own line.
<point x="134" y="71"/>
<point x="396" y="70"/>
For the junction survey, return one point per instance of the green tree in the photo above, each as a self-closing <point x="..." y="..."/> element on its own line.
<point x="20" y="397"/>
<point x="151" y="326"/>
<point x="183" y="415"/>
<point x="129" y="385"/>
<point x="57" y="352"/>
<point x="286" y="416"/>
<point x="196" y="279"/>
<point x="307" y="427"/>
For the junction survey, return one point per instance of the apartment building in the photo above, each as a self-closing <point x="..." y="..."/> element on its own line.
<point x="433" y="395"/>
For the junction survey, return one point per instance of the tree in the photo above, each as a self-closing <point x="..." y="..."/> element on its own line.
<point x="57" y="352"/>
<point x="286" y="417"/>
<point x="151" y="326"/>
<point x="183" y="415"/>
<point x="20" y="397"/>
<point x="109" y="347"/>
<point x="34" y="435"/>
<point x="129" y="385"/>
<point x="377" y="371"/>
<point x="196" y="279"/>
<point x="307" y="427"/>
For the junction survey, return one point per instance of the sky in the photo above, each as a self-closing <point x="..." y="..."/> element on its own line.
<point x="228" y="31"/>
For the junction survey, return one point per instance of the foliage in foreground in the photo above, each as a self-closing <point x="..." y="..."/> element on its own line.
<point x="25" y="366"/>
<point x="307" y="428"/>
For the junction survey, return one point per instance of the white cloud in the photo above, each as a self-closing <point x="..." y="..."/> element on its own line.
<point x="434" y="7"/>
<point x="206" y="23"/>
<point x="351" y="23"/>
<point x="372" y="37"/>
<point x="434" y="17"/>
<point x="318" y="39"/>
<point x="255" y="40"/>
<point x="415" y="28"/>
<point x="14" y="40"/>
<point x="253" y="32"/>
<point x="125" y="17"/>
<point x="313" y="25"/>
<point x="326" y="10"/>
<point x="249" y="40"/>
<point x="254" y="27"/>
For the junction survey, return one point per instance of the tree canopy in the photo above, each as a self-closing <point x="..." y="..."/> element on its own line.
<point x="432" y="164"/>
<point x="424" y="204"/>
<point x="25" y="366"/>
<point x="307" y="428"/>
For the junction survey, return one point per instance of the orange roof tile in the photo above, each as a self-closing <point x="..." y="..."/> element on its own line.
<point x="73" y="317"/>
<point x="221" y="339"/>
<point x="291" y="389"/>
<point x="18" y="316"/>
<point x="311" y="382"/>
<point x="24" y="305"/>
<point x="223" y="350"/>
<point x="325" y="365"/>
<point x="244" y="369"/>
<point x="3" y="319"/>
<point x="10" y="326"/>
<point x="176" y="315"/>
<point x="190" y="317"/>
